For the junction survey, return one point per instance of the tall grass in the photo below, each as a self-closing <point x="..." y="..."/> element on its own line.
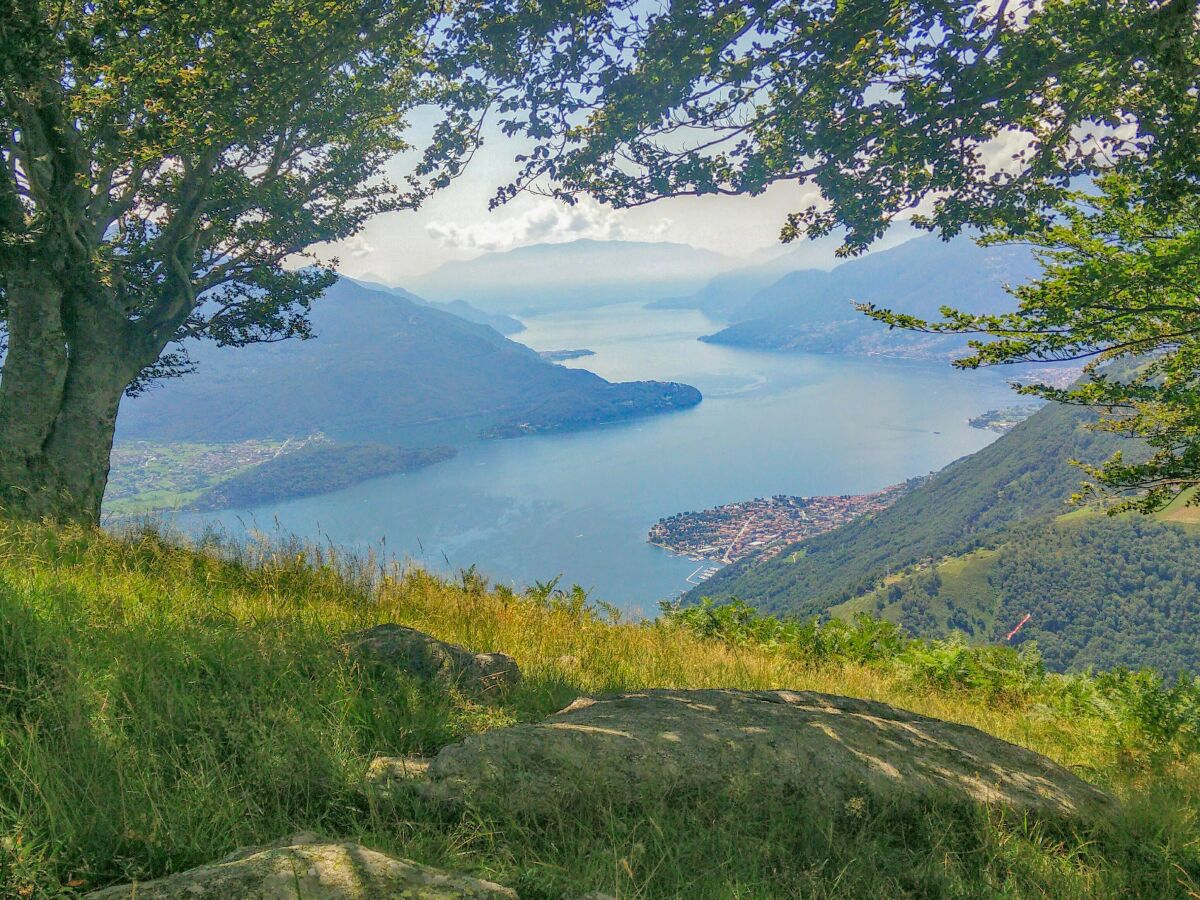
<point x="162" y="704"/>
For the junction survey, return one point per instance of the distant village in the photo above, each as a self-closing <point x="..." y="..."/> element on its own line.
<point x="1002" y="420"/>
<point x="765" y="526"/>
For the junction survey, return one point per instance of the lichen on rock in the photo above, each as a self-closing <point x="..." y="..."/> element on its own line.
<point x="826" y="749"/>
<point x="303" y="867"/>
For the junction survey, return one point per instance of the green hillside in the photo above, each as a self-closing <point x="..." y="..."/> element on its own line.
<point x="1101" y="593"/>
<point x="161" y="706"/>
<point x="1023" y="475"/>
<point x="990" y="539"/>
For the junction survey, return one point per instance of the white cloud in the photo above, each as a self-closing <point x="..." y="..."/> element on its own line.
<point x="544" y="221"/>
<point x="360" y="248"/>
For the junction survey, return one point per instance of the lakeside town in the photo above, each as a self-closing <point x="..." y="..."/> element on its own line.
<point x="764" y="526"/>
<point x="1003" y="420"/>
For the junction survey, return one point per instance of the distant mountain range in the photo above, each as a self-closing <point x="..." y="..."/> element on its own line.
<point x="572" y="275"/>
<point x="385" y="368"/>
<point x="814" y="311"/>
<point x="728" y="292"/>
<point x="506" y="325"/>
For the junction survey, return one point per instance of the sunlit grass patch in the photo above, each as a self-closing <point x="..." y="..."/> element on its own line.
<point x="162" y="704"/>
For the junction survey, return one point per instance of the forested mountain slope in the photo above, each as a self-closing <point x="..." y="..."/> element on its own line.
<point x="382" y="368"/>
<point x="1023" y="475"/>
<point x="1099" y="593"/>
<point x="987" y="541"/>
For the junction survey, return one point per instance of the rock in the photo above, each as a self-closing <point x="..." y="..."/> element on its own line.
<point x="826" y="748"/>
<point x="302" y="866"/>
<point x="479" y="674"/>
<point x="388" y="774"/>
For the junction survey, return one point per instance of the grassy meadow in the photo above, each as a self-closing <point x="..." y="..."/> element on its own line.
<point x="162" y="704"/>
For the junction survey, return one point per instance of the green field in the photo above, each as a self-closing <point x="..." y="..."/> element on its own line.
<point x="149" y="476"/>
<point x="964" y="578"/>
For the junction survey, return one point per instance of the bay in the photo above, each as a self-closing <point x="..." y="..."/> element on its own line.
<point x="579" y="505"/>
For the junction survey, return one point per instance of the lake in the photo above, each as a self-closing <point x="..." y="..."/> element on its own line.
<point x="579" y="505"/>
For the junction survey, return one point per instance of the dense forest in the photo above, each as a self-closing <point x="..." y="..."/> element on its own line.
<point x="1100" y="593"/>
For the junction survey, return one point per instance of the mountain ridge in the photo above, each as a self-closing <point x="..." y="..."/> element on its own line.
<point x="383" y="368"/>
<point x="572" y="275"/>
<point x="813" y="310"/>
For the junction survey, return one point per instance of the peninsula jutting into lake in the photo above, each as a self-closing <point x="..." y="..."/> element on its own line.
<point x="764" y="526"/>
<point x="1003" y="420"/>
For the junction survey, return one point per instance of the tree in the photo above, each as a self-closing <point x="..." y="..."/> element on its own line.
<point x="1120" y="289"/>
<point x="165" y="169"/>
<point x="965" y="115"/>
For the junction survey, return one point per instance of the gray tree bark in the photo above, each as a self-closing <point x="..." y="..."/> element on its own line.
<point x="67" y="366"/>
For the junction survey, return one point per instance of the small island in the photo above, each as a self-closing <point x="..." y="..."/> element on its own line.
<point x="1002" y="420"/>
<point x="765" y="526"/>
<point x="561" y="355"/>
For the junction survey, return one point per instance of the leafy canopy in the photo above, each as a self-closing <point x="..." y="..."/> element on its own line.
<point x="1119" y="290"/>
<point x="961" y="114"/>
<point x="172" y="164"/>
<point x="972" y="113"/>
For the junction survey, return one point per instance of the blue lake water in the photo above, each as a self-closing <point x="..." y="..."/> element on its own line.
<point x="579" y="505"/>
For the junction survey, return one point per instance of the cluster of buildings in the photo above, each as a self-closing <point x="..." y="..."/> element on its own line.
<point x="764" y="526"/>
<point x="1002" y="420"/>
<point x="149" y="467"/>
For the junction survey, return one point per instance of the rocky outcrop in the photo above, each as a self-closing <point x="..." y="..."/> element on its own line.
<point x="303" y="867"/>
<point x="424" y="656"/>
<point x="824" y="748"/>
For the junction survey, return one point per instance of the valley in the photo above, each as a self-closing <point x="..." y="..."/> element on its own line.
<point x="580" y="503"/>
<point x="832" y="443"/>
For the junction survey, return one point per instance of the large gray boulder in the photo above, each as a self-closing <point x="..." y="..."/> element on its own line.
<point x="825" y="748"/>
<point x="424" y="656"/>
<point x="303" y="867"/>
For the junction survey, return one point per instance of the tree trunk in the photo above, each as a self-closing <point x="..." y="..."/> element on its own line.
<point x="62" y="382"/>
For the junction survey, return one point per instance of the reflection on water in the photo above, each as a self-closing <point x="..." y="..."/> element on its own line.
<point x="580" y="504"/>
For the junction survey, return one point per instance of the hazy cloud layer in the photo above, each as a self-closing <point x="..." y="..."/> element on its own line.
<point x="543" y="221"/>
